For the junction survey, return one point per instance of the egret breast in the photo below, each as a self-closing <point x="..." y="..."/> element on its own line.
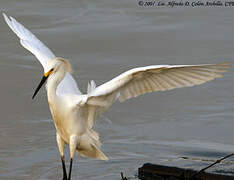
<point x="69" y="121"/>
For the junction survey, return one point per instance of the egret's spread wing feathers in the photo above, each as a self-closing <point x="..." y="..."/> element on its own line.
<point x="30" y="41"/>
<point x="142" y="80"/>
<point x="43" y="54"/>
<point x="169" y="77"/>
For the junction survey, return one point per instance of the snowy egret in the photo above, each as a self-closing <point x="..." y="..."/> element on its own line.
<point x="74" y="113"/>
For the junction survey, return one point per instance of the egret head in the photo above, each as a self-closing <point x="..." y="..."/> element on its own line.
<point x="56" y="65"/>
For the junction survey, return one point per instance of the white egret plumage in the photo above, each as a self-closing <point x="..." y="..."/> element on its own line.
<point x="74" y="113"/>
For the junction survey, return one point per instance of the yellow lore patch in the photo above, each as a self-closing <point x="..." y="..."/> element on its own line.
<point x="48" y="73"/>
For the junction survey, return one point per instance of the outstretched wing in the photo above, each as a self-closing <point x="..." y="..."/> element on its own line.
<point x="142" y="80"/>
<point x="30" y="41"/>
<point x="43" y="54"/>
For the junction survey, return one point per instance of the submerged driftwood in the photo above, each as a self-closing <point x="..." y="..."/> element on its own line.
<point x="157" y="172"/>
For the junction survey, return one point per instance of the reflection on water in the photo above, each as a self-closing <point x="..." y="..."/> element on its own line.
<point x="102" y="39"/>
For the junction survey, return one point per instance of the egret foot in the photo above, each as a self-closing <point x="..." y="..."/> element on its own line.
<point x="69" y="177"/>
<point x="64" y="169"/>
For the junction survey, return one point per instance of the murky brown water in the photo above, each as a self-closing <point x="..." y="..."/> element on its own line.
<point x="102" y="39"/>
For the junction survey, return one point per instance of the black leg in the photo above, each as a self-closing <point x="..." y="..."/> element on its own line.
<point x="69" y="177"/>
<point x="64" y="169"/>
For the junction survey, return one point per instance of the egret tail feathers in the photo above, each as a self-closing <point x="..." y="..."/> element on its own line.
<point x="93" y="152"/>
<point x="90" y="146"/>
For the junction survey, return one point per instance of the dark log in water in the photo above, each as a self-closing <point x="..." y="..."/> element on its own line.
<point x="157" y="172"/>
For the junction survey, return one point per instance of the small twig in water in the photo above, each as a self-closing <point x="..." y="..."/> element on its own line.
<point x="216" y="162"/>
<point x="122" y="176"/>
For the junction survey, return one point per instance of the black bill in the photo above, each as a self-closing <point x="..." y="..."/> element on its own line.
<point x="44" y="78"/>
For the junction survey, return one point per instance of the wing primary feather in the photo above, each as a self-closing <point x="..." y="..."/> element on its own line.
<point x="155" y="79"/>
<point x="151" y="84"/>
<point x="180" y="82"/>
<point x="148" y="86"/>
<point x="198" y="77"/>
<point x="136" y="87"/>
<point x="170" y="81"/>
<point x="161" y="82"/>
<point x="182" y="78"/>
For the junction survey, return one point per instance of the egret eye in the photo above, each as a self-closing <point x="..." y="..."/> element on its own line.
<point x="51" y="70"/>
